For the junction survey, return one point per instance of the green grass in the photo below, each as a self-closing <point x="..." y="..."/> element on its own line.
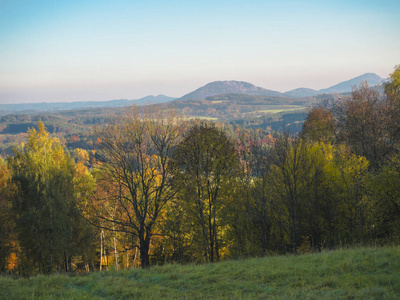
<point x="366" y="273"/>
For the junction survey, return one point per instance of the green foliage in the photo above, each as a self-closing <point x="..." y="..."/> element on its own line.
<point x="392" y="88"/>
<point x="216" y="191"/>
<point x="384" y="201"/>
<point x="50" y="227"/>
<point x="366" y="273"/>
<point x="7" y="223"/>
<point x="205" y="164"/>
<point x="319" y="125"/>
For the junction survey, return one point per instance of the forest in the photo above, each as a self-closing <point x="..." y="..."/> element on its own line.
<point x="157" y="188"/>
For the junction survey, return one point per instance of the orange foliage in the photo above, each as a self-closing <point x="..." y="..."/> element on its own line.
<point x="12" y="261"/>
<point x="75" y="138"/>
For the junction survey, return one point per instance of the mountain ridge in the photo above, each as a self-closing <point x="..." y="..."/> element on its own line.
<point x="341" y="87"/>
<point x="347" y="86"/>
<point x="54" y="106"/>
<point x="209" y="90"/>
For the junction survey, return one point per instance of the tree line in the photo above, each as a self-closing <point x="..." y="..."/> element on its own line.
<point x="164" y="189"/>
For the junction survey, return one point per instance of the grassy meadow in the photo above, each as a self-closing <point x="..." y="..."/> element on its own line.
<point x="366" y="273"/>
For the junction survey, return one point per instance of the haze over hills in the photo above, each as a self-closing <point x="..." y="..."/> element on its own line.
<point x="240" y="87"/>
<point x="52" y="106"/>
<point x="301" y="92"/>
<point x="209" y="90"/>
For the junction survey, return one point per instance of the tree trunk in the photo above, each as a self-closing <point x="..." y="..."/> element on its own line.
<point x="210" y="237"/>
<point x="51" y="243"/>
<point x="144" y="247"/>
<point x="135" y="259"/>
<point x="144" y="255"/>
<point x="115" y="250"/>
<point x="215" y="236"/>
<point x="66" y="262"/>
<point x="101" y="249"/>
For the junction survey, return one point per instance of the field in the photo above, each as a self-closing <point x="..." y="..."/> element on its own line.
<point x="281" y="108"/>
<point x="274" y="109"/>
<point x="366" y="273"/>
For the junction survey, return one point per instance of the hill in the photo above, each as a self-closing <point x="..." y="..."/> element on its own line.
<point x="369" y="273"/>
<point x="57" y="106"/>
<point x="229" y="87"/>
<point x="154" y="99"/>
<point x="234" y="106"/>
<point x="244" y="88"/>
<point x="346" y="86"/>
<point x="212" y="89"/>
<point x="342" y="87"/>
<point x="302" y="92"/>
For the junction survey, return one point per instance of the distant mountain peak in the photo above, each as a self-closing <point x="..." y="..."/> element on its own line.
<point x="151" y="99"/>
<point x="342" y="87"/>
<point x="228" y="87"/>
<point x="347" y="86"/>
<point x="301" y="92"/>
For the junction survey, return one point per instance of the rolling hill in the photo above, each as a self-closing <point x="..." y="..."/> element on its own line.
<point x="342" y="87"/>
<point x="301" y="92"/>
<point x="57" y="106"/>
<point x="346" y="86"/>
<point x="206" y="92"/>
<point x="229" y="87"/>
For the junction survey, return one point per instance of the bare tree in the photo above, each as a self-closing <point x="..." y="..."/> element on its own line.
<point x="364" y="122"/>
<point x="135" y="158"/>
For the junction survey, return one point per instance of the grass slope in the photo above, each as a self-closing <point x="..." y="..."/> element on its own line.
<point x="368" y="273"/>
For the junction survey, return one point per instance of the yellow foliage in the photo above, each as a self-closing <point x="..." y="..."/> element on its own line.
<point x="81" y="155"/>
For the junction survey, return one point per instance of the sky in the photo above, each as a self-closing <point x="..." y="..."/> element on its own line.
<point x="53" y="51"/>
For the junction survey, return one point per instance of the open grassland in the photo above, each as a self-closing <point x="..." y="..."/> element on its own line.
<point x="281" y="108"/>
<point x="367" y="273"/>
<point x="201" y="118"/>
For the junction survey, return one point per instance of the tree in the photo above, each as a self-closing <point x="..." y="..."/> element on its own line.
<point x="367" y="123"/>
<point x="384" y="200"/>
<point x="319" y="125"/>
<point x="205" y="164"/>
<point x="81" y="155"/>
<point x="392" y="87"/>
<point x="392" y="92"/>
<point x="296" y="170"/>
<point x="48" y="221"/>
<point x="135" y="156"/>
<point x="248" y="213"/>
<point x="347" y="188"/>
<point x="7" y="223"/>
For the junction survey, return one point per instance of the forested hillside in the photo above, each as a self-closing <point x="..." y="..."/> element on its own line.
<point x="150" y="187"/>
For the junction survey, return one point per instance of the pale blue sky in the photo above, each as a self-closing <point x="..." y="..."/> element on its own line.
<point x="101" y="50"/>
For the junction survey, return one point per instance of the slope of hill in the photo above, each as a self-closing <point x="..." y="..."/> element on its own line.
<point x="153" y="99"/>
<point x="301" y="92"/>
<point x="229" y="87"/>
<point x="346" y="86"/>
<point x="369" y="273"/>
<point x="240" y="87"/>
<point x="209" y="90"/>
<point x="342" y="87"/>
